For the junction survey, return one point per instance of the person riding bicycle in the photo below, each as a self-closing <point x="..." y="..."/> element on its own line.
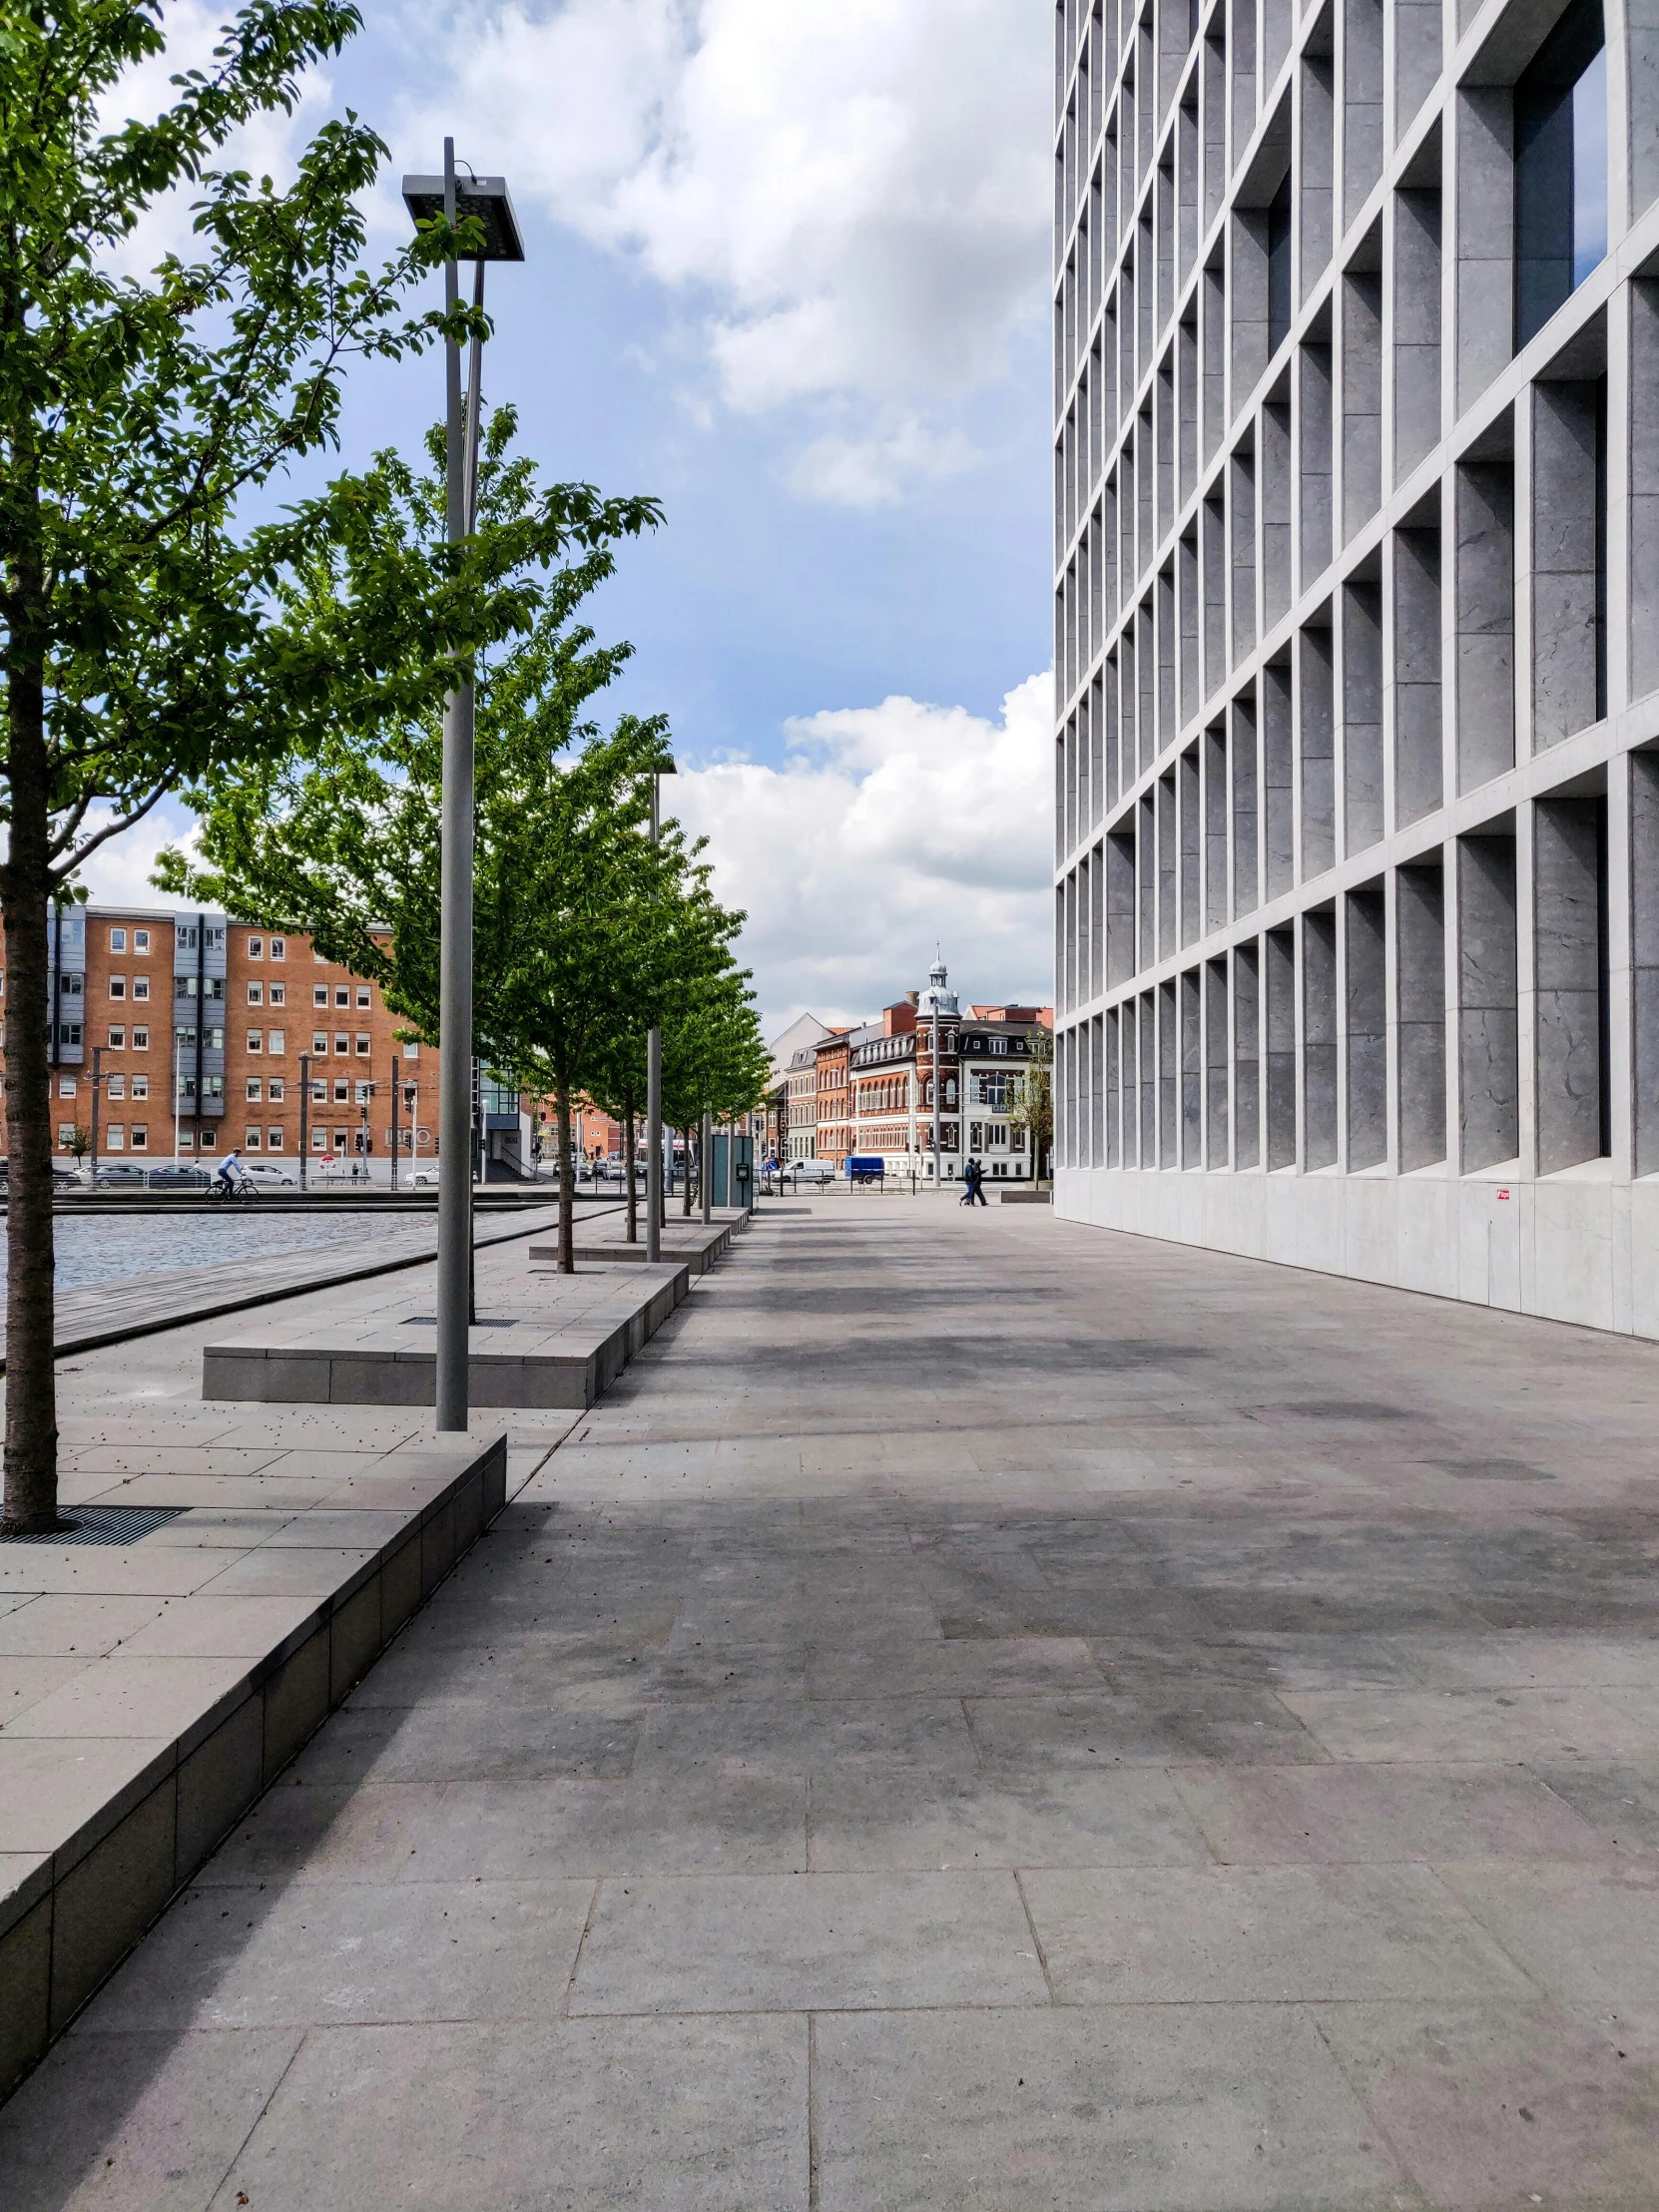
<point x="229" y="1172"/>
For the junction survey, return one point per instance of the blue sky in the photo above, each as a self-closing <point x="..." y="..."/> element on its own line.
<point x="787" y="270"/>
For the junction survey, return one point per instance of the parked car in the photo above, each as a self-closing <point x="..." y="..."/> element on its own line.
<point x="177" y="1176"/>
<point x="121" y="1175"/>
<point x="268" y="1173"/>
<point x="70" y="1178"/>
<point x="425" y="1177"/>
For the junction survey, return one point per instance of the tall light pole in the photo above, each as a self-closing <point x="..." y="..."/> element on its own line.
<point x="654" y="1080"/>
<point x="484" y="200"/>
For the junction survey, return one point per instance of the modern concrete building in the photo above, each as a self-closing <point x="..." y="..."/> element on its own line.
<point x="1357" y="478"/>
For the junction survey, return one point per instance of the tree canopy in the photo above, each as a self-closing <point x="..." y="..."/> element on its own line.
<point x="586" y="931"/>
<point x="144" y="635"/>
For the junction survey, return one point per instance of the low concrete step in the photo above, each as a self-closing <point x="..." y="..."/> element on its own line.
<point x="116" y="1787"/>
<point x="700" y="1244"/>
<point x="566" y="1341"/>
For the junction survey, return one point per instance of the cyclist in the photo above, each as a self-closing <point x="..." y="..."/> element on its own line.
<point x="230" y="1174"/>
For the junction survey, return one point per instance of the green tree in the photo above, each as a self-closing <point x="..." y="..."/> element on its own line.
<point x="342" y="837"/>
<point x="1032" y="1105"/>
<point x="139" y="640"/>
<point x="714" y="1061"/>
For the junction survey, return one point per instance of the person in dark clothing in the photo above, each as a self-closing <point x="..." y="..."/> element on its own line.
<point x="973" y="1176"/>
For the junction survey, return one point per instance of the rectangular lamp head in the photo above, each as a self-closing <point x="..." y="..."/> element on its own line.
<point x="486" y="198"/>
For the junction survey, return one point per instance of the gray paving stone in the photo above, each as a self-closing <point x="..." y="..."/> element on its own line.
<point x="1131" y="1816"/>
<point x="640" y="1824"/>
<point x="39" y="1626"/>
<point x="136" y="2122"/>
<point x="1478" y="1725"/>
<point x="798" y="1942"/>
<point x="1164" y="1724"/>
<point x="1173" y="1936"/>
<point x="1073" y="2110"/>
<point x="1354" y="1816"/>
<point x="316" y="1833"/>
<point x="800" y="1737"/>
<point x="1620" y="1801"/>
<point x="265" y="1958"/>
<point x="706" y="2115"/>
<point x="1515" y="2107"/>
<point x="467" y="1739"/>
<point x="1588" y="1934"/>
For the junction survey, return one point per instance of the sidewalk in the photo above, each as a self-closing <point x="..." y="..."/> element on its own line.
<point x="985" y="1714"/>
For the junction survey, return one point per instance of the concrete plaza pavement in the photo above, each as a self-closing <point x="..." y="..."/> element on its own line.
<point x="987" y="1713"/>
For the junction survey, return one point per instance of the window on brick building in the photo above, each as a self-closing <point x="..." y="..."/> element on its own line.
<point x="118" y="986"/>
<point x="141" y="1039"/>
<point x="141" y="1136"/>
<point x="141" y="1086"/>
<point x="117" y="940"/>
<point x="118" y="1039"/>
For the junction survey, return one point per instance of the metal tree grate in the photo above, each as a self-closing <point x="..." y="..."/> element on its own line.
<point x="105" y="1525"/>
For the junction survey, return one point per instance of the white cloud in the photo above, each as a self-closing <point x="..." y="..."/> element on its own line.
<point x="889" y="830"/>
<point x="851" y="195"/>
<point x="118" y="874"/>
<point x="268" y="145"/>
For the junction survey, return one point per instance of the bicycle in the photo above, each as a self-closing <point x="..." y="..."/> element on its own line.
<point x="227" y="1188"/>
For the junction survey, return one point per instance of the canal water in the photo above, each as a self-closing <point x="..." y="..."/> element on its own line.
<point x="111" y="1248"/>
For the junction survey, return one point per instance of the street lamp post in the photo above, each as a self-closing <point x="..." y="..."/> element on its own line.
<point x="304" y="1119"/>
<point x="486" y="201"/>
<point x="97" y="1093"/>
<point x="653" y="1082"/>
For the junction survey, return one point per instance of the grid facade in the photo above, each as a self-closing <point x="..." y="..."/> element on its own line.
<point x="1357" y="523"/>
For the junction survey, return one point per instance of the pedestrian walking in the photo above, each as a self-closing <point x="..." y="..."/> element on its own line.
<point x="973" y="1179"/>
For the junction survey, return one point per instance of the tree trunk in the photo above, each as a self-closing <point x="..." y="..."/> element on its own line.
<point x="567" y="1181"/>
<point x="31" y="1383"/>
<point x="685" y="1202"/>
<point x="628" y="1157"/>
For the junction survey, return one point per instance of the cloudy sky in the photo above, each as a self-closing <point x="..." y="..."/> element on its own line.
<point x="787" y="270"/>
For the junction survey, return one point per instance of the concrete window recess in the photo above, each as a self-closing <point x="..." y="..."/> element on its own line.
<point x="1560" y="167"/>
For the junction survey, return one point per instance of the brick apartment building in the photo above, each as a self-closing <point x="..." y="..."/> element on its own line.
<point x="205" y="1034"/>
<point x="834" y="1099"/>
